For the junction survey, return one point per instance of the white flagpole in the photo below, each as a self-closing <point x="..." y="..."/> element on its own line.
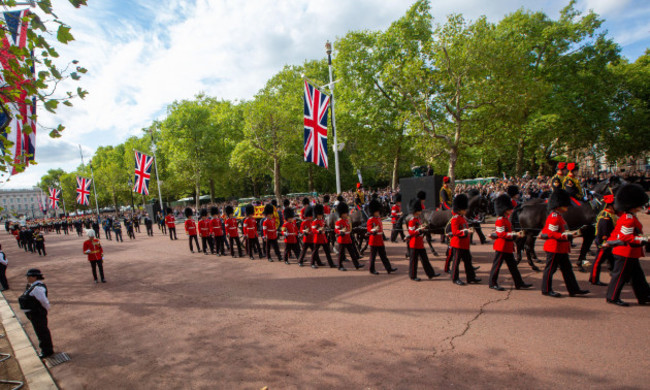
<point x="328" y="50"/>
<point x="155" y="161"/>
<point x="65" y="213"/>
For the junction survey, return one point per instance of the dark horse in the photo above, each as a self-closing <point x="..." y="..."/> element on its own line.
<point x="532" y="218"/>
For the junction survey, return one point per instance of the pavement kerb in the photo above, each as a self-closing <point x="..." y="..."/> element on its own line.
<point x="37" y="376"/>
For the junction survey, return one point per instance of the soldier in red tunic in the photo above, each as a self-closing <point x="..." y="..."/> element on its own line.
<point x="605" y="224"/>
<point x="342" y="229"/>
<point x="375" y="231"/>
<point x="395" y="215"/>
<point x="629" y="234"/>
<point x="557" y="246"/>
<point x="270" y="231"/>
<point x="205" y="232"/>
<point x="326" y="205"/>
<point x="216" y="229"/>
<point x="190" y="229"/>
<point x="233" y="232"/>
<point x="290" y="232"/>
<point x="320" y="238"/>
<point x="170" y="221"/>
<point x="416" y="244"/>
<point x="459" y="243"/>
<point x="307" y="235"/>
<point x="504" y="245"/>
<point x="250" y="232"/>
<point x="93" y="248"/>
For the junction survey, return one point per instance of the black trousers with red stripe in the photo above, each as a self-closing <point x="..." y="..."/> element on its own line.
<point x="421" y="254"/>
<point x="627" y="269"/>
<point x="291" y="247"/>
<point x="462" y="254"/>
<point x="604" y="254"/>
<point x="272" y="244"/>
<point x="553" y="261"/>
<point x="381" y="252"/>
<point x="509" y="258"/>
<point x="352" y="251"/>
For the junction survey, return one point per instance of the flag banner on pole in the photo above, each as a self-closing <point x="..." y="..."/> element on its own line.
<point x="20" y="108"/>
<point x="143" y="165"/>
<point x="83" y="191"/>
<point x="316" y="108"/>
<point x="55" y="196"/>
<point x="42" y="203"/>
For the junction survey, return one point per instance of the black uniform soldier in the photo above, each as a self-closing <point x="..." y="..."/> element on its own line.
<point x="35" y="304"/>
<point x="3" y="270"/>
<point x="117" y="229"/>
<point x="149" y="224"/>
<point x="604" y="227"/>
<point x="128" y="224"/>
<point x="39" y="242"/>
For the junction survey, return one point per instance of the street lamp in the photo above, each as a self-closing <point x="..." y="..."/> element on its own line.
<point x="328" y="50"/>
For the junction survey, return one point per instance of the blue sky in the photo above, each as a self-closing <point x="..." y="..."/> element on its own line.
<point x="142" y="55"/>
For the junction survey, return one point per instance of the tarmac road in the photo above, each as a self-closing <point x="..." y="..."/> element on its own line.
<point x="175" y="320"/>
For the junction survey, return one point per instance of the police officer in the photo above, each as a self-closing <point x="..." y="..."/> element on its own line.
<point x="3" y="270"/>
<point x="35" y="304"/>
<point x="149" y="224"/>
<point x="39" y="242"/>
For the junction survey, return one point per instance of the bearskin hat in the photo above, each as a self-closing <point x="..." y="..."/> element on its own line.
<point x="561" y="166"/>
<point x="204" y="212"/>
<point x="630" y="196"/>
<point x="250" y="210"/>
<point x="309" y="212"/>
<point x="229" y="210"/>
<point x="305" y="201"/>
<point x="288" y="213"/>
<point x="268" y="209"/>
<point x="502" y="204"/>
<point x="340" y="198"/>
<point x="342" y="208"/>
<point x="473" y="192"/>
<point x="286" y="203"/>
<point x="274" y="202"/>
<point x="398" y="197"/>
<point x="512" y="191"/>
<point x="169" y="210"/>
<point x="460" y="202"/>
<point x="421" y="195"/>
<point x="415" y="205"/>
<point x="374" y="206"/>
<point x="214" y="210"/>
<point x="319" y="210"/>
<point x="188" y="212"/>
<point x="326" y="198"/>
<point x="559" y="198"/>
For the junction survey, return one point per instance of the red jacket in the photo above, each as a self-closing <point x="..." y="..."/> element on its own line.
<point x="343" y="237"/>
<point x="290" y="233"/>
<point x="377" y="238"/>
<point x="416" y="239"/>
<point x="231" y="227"/>
<point x="190" y="227"/>
<point x="316" y="225"/>
<point x="170" y="221"/>
<point x="557" y="242"/>
<point x="250" y="227"/>
<point x="326" y="209"/>
<point x="269" y="230"/>
<point x="394" y="213"/>
<point x="505" y="237"/>
<point x="204" y="227"/>
<point x="95" y="248"/>
<point x="629" y="230"/>
<point x="460" y="236"/>
<point x="305" y="229"/>
<point x="215" y="227"/>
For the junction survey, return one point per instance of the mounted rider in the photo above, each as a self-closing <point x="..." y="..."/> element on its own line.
<point x="359" y="197"/>
<point x="446" y="196"/>
<point x="571" y="183"/>
<point x="561" y="173"/>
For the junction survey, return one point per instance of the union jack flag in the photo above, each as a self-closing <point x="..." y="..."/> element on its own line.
<point x="20" y="114"/>
<point x="83" y="191"/>
<point x="55" y="196"/>
<point x="143" y="165"/>
<point x="316" y="108"/>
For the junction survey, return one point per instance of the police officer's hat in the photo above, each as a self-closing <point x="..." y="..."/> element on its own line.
<point x="188" y="212"/>
<point x="342" y="208"/>
<point x="288" y="213"/>
<point x="250" y="209"/>
<point x="502" y="204"/>
<point x="319" y="210"/>
<point x="35" y="272"/>
<point x="374" y="206"/>
<point x="268" y="209"/>
<point x="204" y="213"/>
<point x="630" y="196"/>
<point x="415" y="205"/>
<point x="559" y="198"/>
<point x="229" y="210"/>
<point x="421" y="195"/>
<point x="512" y="191"/>
<point x="461" y="202"/>
<point x="214" y="210"/>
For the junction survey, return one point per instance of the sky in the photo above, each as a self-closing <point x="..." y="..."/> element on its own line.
<point x="143" y="55"/>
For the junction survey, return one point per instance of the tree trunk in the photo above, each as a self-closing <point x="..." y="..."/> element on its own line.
<point x="396" y="167"/>
<point x="520" y="157"/>
<point x="311" y="179"/>
<point x="276" y="180"/>
<point x="115" y="201"/>
<point x="211" y="190"/>
<point x="198" y="195"/>
<point x="254" y="189"/>
<point x="453" y="158"/>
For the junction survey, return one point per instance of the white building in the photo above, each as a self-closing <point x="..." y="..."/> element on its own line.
<point x="21" y="202"/>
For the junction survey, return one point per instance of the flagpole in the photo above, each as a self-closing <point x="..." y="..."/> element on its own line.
<point x="155" y="161"/>
<point x="65" y="213"/>
<point x="328" y="50"/>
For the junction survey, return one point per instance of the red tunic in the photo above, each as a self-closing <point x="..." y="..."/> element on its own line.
<point x="377" y="238"/>
<point x="290" y="233"/>
<point x="505" y="237"/>
<point x="95" y="248"/>
<point x="557" y="242"/>
<point x="343" y="237"/>
<point x="269" y="230"/>
<point x="204" y="227"/>
<point x="305" y="229"/>
<point x="460" y="236"/>
<point x="326" y="209"/>
<point x="170" y="221"/>
<point x="250" y="227"/>
<point x="215" y="227"/>
<point x="319" y="238"/>
<point x="417" y="240"/>
<point x="394" y="213"/>
<point x="629" y="230"/>
<point x="231" y="227"/>
<point x="190" y="227"/>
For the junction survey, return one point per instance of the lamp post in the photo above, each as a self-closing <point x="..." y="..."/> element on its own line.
<point x="328" y="50"/>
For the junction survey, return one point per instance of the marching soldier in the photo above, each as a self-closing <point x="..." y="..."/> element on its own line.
<point x="148" y="223"/>
<point x="39" y="242"/>
<point x="190" y="229"/>
<point x="504" y="245"/>
<point x="270" y="231"/>
<point x="557" y="246"/>
<point x="560" y="174"/>
<point x="290" y="231"/>
<point x="93" y="248"/>
<point x="376" y="240"/>
<point x="320" y="238"/>
<point x="117" y="230"/>
<point x="216" y="228"/>
<point x="170" y="222"/>
<point x="604" y="227"/>
<point x="460" y="239"/>
<point x="35" y="304"/>
<point x="307" y="236"/>
<point x="343" y="232"/>
<point x="250" y="232"/>
<point x="305" y="205"/>
<point x="204" y="231"/>
<point x="416" y="244"/>
<point x="395" y="215"/>
<point x="446" y="195"/>
<point x="628" y="232"/>
<point x="326" y="205"/>
<point x="233" y="232"/>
